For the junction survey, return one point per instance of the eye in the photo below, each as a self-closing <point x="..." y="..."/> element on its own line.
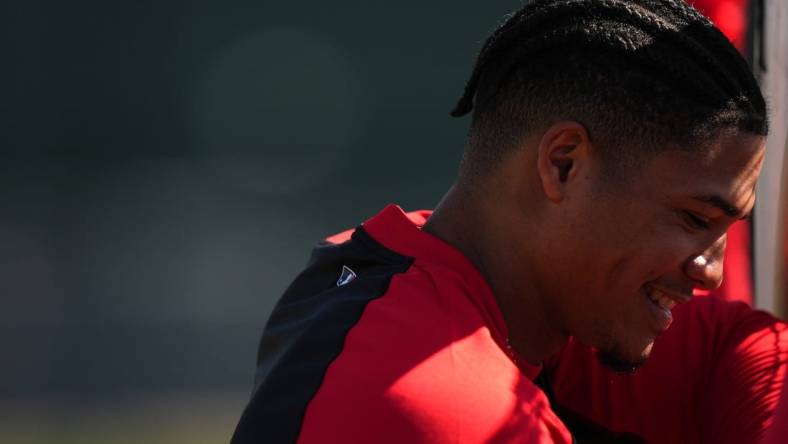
<point x="695" y="221"/>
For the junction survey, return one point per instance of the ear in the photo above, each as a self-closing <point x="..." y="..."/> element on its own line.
<point x="562" y="153"/>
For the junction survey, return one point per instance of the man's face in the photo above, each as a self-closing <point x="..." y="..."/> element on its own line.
<point x="634" y="249"/>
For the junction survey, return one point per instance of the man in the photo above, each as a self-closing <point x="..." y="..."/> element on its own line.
<point x="612" y="144"/>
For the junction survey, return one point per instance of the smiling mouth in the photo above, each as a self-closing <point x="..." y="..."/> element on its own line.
<point x="660" y="304"/>
<point x="660" y="299"/>
<point x="666" y="299"/>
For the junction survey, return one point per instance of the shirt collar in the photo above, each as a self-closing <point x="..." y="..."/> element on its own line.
<point x="401" y="232"/>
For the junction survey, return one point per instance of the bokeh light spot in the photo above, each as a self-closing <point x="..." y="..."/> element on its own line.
<point x="277" y="110"/>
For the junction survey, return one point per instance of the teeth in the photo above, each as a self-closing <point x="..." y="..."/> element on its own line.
<point x="661" y="299"/>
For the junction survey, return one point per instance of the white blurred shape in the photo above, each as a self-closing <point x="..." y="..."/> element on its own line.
<point x="774" y="83"/>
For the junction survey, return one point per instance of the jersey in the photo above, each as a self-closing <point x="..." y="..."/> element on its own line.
<point x="392" y="335"/>
<point x="714" y="376"/>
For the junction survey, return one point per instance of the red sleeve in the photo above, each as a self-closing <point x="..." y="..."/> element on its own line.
<point x="745" y="385"/>
<point x="779" y="428"/>
<point x="422" y="368"/>
<point x="713" y="377"/>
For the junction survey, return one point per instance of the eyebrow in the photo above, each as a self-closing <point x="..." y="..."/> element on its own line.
<point x="728" y="208"/>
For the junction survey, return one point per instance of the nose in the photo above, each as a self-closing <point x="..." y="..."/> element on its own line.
<point x="705" y="269"/>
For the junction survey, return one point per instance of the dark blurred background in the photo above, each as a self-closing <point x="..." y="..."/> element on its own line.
<point x="165" y="168"/>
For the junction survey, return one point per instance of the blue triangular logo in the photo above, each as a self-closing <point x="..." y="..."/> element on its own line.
<point x="347" y="276"/>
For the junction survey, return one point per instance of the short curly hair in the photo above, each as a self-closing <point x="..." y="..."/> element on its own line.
<point x="640" y="75"/>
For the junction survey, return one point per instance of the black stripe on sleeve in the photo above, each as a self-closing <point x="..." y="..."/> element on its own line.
<point x="306" y="332"/>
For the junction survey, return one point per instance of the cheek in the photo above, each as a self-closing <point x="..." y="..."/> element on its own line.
<point x="645" y="263"/>
<point x="669" y="249"/>
<point x="653" y="249"/>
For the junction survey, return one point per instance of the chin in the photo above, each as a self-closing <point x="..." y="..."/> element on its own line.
<point x="623" y="361"/>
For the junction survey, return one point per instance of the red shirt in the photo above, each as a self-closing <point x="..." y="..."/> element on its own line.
<point x="427" y="361"/>
<point x="714" y="376"/>
<point x="391" y="335"/>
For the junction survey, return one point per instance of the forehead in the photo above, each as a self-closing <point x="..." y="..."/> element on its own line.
<point x="727" y="167"/>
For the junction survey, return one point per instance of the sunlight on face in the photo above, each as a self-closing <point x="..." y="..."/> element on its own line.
<point x="638" y="251"/>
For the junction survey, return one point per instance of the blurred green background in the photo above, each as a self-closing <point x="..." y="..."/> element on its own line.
<point x="166" y="168"/>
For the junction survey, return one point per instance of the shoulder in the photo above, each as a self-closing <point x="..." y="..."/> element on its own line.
<point x="421" y="407"/>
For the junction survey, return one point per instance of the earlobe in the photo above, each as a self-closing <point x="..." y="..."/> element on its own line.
<point x="560" y="156"/>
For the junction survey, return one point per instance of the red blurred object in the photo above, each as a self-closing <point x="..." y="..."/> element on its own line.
<point x="731" y="17"/>
<point x="737" y="281"/>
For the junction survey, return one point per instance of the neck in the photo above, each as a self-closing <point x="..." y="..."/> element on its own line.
<point x="474" y="223"/>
